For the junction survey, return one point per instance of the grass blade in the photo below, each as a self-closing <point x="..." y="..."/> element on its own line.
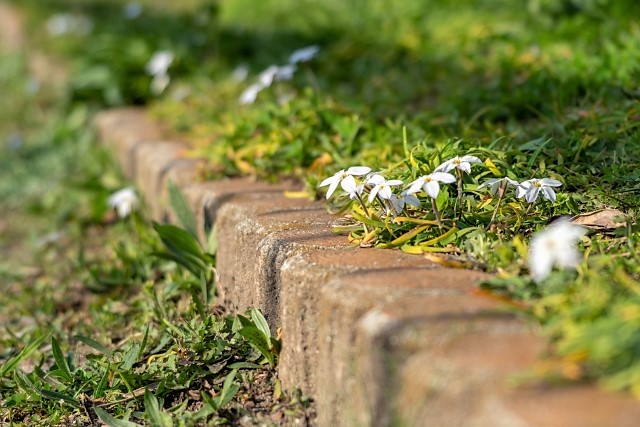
<point x="182" y="209"/>
<point x="110" y="421"/>
<point x="12" y="363"/>
<point x="94" y="345"/>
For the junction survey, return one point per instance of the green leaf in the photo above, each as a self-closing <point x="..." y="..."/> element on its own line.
<point x="260" y="322"/>
<point x="110" y="421"/>
<point x="244" y="365"/>
<point x="130" y="357"/>
<point x="157" y="417"/>
<point x="95" y="345"/>
<point x="182" y="209"/>
<point x="257" y="339"/>
<point x="12" y="363"/>
<point x="102" y="384"/>
<point x="212" y="241"/>
<point x="61" y="362"/>
<point x="54" y="395"/>
<point x="183" y="248"/>
<point x="229" y="389"/>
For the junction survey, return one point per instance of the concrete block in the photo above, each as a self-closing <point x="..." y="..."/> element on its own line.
<point x="152" y="160"/>
<point x="302" y="278"/>
<point x="123" y="129"/>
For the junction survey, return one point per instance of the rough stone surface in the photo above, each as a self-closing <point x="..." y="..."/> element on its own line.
<point x="124" y="129"/>
<point x="302" y="278"/>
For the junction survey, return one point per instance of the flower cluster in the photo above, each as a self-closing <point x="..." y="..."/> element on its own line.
<point x="555" y="246"/>
<point x="381" y="189"/>
<point x="276" y="73"/>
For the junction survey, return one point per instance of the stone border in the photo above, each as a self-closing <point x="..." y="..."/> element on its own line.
<point x="377" y="337"/>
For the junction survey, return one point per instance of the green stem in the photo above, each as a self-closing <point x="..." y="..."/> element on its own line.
<point x="435" y="212"/>
<point x="501" y="192"/>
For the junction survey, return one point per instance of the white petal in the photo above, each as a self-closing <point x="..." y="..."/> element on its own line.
<point x="549" y="194"/>
<point x="250" y="94"/>
<point x="532" y="194"/>
<point x="446" y="166"/>
<point x="471" y="159"/>
<point x="358" y="170"/>
<point x="266" y="77"/>
<point x="488" y="183"/>
<point x="432" y="188"/>
<point x="331" y="179"/>
<point x="511" y="181"/>
<point x="416" y="186"/>
<point x="569" y="257"/>
<point x="385" y="192"/>
<point x="349" y="184"/>
<point x="548" y="182"/>
<point x="285" y="72"/>
<point x="443" y="177"/>
<point x="522" y="189"/>
<point x="373" y="193"/>
<point x="304" y="55"/>
<point x="332" y="187"/>
<point x="412" y="200"/>
<point x="376" y="180"/>
<point x="465" y="166"/>
<point x="394" y="182"/>
<point x="540" y="259"/>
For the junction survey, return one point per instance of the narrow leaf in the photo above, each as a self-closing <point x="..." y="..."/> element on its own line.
<point x="157" y="417"/>
<point x="182" y="209"/>
<point x="260" y="322"/>
<point x="12" y="363"/>
<point x="61" y="362"/>
<point x="95" y="345"/>
<point x="110" y="421"/>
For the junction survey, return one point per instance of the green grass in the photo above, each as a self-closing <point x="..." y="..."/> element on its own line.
<point x="102" y="318"/>
<point x="534" y="88"/>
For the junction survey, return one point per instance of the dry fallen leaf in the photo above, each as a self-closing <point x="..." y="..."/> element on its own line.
<point x="603" y="219"/>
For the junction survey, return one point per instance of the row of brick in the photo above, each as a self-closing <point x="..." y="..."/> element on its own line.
<point x="377" y="337"/>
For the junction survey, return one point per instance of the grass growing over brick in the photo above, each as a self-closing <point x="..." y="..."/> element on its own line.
<point x="535" y="89"/>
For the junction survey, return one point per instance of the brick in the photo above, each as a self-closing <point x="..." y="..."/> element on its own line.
<point x="123" y="129"/>
<point x="301" y="279"/>
<point x="256" y="236"/>
<point x="206" y="198"/>
<point x="347" y="341"/>
<point x="152" y="161"/>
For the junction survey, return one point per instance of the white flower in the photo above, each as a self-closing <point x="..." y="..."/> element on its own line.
<point x="240" y="73"/>
<point x="304" y="55"/>
<point x="345" y="179"/>
<point x="285" y="72"/>
<point x="383" y="188"/>
<point x="250" y="94"/>
<point x="531" y="189"/>
<point x="64" y="23"/>
<point x="496" y="183"/>
<point x="554" y="245"/>
<point x="463" y="163"/>
<point x="123" y="201"/>
<point x="265" y="78"/>
<point x="132" y="10"/>
<point x="160" y="83"/>
<point x="159" y="62"/>
<point x="429" y="183"/>
<point x="399" y="202"/>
